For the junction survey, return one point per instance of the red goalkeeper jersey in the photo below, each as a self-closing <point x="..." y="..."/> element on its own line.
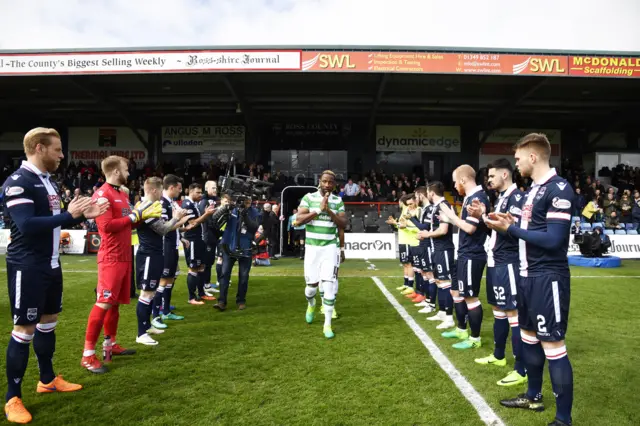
<point x="114" y="226"/>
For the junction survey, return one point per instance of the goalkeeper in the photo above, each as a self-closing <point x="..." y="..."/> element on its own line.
<point x="114" y="260"/>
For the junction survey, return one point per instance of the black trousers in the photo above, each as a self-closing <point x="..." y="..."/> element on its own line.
<point x="133" y="272"/>
<point x="244" y="266"/>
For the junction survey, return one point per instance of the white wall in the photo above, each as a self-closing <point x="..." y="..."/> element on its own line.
<point x="84" y="144"/>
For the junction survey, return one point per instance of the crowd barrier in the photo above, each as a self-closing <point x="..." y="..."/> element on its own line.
<point x="357" y="245"/>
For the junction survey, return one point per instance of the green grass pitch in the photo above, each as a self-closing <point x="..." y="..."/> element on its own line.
<point x="266" y="366"/>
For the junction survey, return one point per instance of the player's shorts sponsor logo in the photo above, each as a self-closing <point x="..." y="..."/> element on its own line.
<point x="11" y="191"/>
<point x="153" y="283"/>
<point x="32" y="314"/>
<point x="560" y="203"/>
<point x="16" y="318"/>
<point x="165" y="271"/>
<point x="106" y="294"/>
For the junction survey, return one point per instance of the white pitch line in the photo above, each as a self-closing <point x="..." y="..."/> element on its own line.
<point x="486" y="413"/>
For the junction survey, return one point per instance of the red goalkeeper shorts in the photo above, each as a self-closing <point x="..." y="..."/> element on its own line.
<point x="114" y="282"/>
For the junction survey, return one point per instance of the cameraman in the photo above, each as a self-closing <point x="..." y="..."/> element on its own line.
<point x="242" y="223"/>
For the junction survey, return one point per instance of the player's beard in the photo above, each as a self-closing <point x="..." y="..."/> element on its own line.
<point x="324" y="192"/>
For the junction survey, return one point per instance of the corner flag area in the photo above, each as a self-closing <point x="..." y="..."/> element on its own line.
<point x="387" y="365"/>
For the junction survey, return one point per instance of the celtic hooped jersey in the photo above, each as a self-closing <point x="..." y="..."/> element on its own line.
<point x="321" y="231"/>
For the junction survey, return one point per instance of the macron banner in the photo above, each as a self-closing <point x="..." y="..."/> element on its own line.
<point x="370" y="246"/>
<point x="418" y="138"/>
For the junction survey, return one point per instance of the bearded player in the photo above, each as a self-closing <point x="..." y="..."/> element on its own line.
<point x="114" y="260"/>
<point x="502" y="274"/>
<point x="544" y="290"/>
<point x="322" y="213"/>
<point x="34" y="270"/>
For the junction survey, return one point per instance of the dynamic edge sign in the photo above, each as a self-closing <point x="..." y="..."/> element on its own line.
<point x="418" y="138"/>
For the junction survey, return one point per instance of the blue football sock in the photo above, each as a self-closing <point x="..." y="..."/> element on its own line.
<point x="516" y="344"/>
<point x="17" y="360"/>
<point x="500" y="333"/>
<point x="533" y="357"/>
<point x="44" y="345"/>
<point x="561" y="374"/>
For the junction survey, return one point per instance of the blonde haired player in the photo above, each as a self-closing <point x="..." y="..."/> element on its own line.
<point x="322" y="212"/>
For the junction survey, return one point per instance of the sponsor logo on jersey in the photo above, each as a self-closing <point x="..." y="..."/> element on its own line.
<point x="560" y="203"/>
<point x="11" y="191"/>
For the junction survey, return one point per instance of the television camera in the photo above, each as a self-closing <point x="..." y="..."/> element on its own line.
<point x="592" y="244"/>
<point x="242" y="189"/>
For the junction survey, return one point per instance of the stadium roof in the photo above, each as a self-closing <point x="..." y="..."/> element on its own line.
<point x="149" y="99"/>
<point x="335" y="48"/>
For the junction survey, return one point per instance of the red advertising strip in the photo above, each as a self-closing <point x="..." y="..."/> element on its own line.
<point x="497" y="148"/>
<point x="602" y="66"/>
<point x="436" y="63"/>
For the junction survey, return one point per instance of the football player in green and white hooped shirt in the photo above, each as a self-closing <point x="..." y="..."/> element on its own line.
<point x="322" y="213"/>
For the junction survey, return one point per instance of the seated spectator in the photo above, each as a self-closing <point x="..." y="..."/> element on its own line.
<point x="351" y="189"/>
<point x="635" y="211"/>
<point x="612" y="222"/>
<point x="575" y="229"/>
<point x="610" y="205"/>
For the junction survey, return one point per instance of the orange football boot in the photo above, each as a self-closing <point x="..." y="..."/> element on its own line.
<point x="15" y="411"/>
<point x="419" y="298"/>
<point x="58" y="385"/>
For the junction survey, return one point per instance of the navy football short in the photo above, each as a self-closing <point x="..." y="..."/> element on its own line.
<point x="544" y="306"/>
<point x="443" y="264"/>
<point x="404" y="253"/>
<point x="34" y="292"/>
<point x="209" y="255"/>
<point x="469" y="273"/>
<point x="149" y="268"/>
<point x="416" y="254"/>
<point x="195" y="254"/>
<point x="502" y="290"/>
<point x="170" y="264"/>
<point x="423" y="261"/>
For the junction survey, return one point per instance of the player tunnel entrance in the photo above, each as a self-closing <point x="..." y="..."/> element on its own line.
<point x="289" y="200"/>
